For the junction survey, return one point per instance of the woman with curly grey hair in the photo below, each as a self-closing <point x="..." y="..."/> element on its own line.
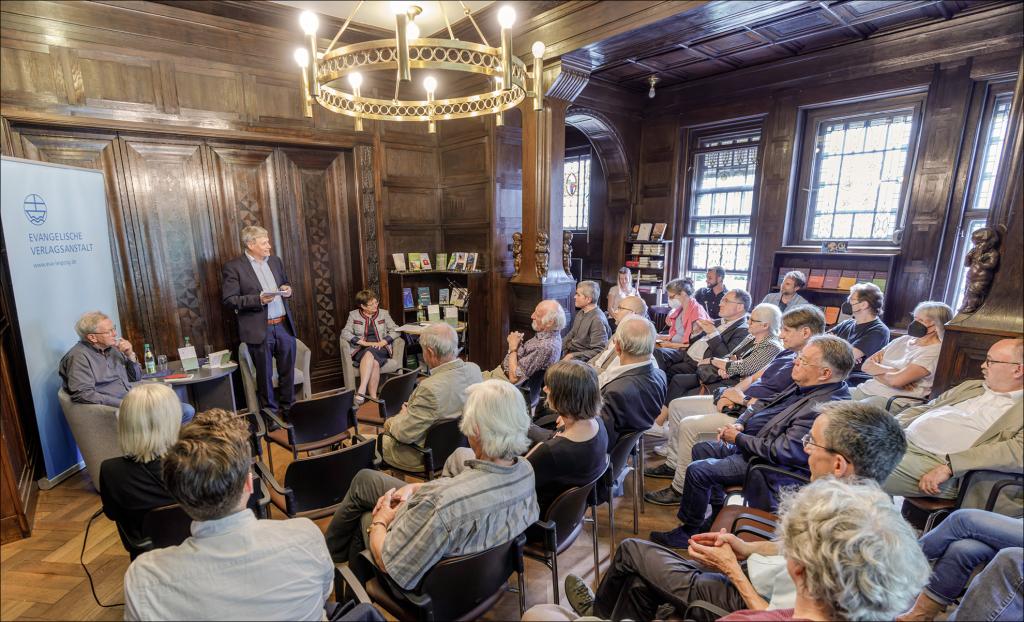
<point x="849" y="552"/>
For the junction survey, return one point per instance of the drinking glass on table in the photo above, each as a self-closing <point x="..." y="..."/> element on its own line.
<point x="161" y="363"/>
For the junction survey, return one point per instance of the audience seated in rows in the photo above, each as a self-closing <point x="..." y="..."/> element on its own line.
<point x="710" y="296"/>
<point x="233" y="566"/>
<point x="102" y="367"/>
<point x="749" y="356"/>
<point x="788" y="296"/>
<point x="477" y="504"/>
<point x="681" y="322"/>
<point x="774" y="434"/>
<point x="906" y="367"/>
<point x="690" y="417"/>
<point x="848" y="440"/>
<point x="865" y="331"/>
<point x="622" y="289"/>
<point x="716" y="338"/>
<point x="634" y="391"/>
<point x="439" y="396"/>
<point x="370" y="331"/>
<point x="147" y="425"/>
<point x="976" y="425"/>
<point x="576" y="454"/>
<point x="589" y="332"/>
<point x="629" y="306"/>
<point x="965" y="540"/>
<point x="524" y="359"/>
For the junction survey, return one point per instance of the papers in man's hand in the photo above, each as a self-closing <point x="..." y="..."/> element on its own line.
<point x="276" y="292"/>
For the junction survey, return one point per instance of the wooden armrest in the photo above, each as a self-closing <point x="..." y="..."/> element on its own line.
<point x="345" y="578"/>
<point x="267" y="476"/>
<point x="273" y="417"/>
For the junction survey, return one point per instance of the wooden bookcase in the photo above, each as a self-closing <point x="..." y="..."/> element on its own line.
<point x="473" y="339"/>
<point x="648" y="279"/>
<point x="835" y="296"/>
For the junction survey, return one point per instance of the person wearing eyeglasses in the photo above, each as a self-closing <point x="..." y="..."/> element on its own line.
<point x="102" y="367"/>
<point x="976" y="425"/>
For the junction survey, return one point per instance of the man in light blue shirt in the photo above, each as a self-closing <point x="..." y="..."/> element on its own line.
<point x="233" y="567"/>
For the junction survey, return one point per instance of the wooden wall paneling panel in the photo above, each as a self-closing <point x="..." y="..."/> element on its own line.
<point x="206" y="92"/>
<point x="177" y="258"/>
<point x="29" y="74"/>
<point x="942" y="131"/>
<point x="412" y="240"/>
<point x="508" y="196"/>
<point x="468" y="204"/>
<point x="464" y="162"/>
<point x="17" y="463"/>
<point x="407" y="206"/>
<point x="99" y="151"/>
<point x="408" y="165"/>
<point x="315" y="230"/>
<point x="368" y="253"/>
<point x="120" y="81"/>
<point x="469" y="240"/>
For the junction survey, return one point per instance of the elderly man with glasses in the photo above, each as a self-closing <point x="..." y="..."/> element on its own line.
<point x="101" y="367"/>
<point x="976" y="425"/>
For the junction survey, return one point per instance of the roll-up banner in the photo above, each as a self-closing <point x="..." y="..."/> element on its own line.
<point x="58" y="249"/>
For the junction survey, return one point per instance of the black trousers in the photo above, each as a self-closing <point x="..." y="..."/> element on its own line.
<point x="644" y="575"/>
<point x="279" y="346"/>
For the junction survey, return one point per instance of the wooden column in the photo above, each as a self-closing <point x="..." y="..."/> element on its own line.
<point x="541" y="275"/>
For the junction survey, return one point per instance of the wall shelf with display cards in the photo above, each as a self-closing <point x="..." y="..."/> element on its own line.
<point x="648" y="260"/>
<point x="443" y="295"/>
<point x="830" y="276"/>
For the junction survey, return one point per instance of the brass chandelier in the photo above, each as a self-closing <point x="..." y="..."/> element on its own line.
<point x="324" y="72"/>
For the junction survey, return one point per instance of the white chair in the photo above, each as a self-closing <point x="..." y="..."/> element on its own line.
<point x="248" y="369"/>
<point x="351" y="372"/>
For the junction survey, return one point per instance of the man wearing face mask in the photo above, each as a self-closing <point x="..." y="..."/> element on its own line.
<point x="865" y="331"/>
<point x="977" y="425"/>
<point x="906" y="367"/>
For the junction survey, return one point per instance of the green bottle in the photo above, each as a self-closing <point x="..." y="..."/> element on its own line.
<point x="150" y="360"/>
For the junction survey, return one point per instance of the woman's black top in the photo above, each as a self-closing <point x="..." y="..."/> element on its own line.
<point x="560" y="464"/>
<point x="130" y="489"/>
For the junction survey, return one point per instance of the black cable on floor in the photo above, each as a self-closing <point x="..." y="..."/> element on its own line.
<point x="81" y="560"/>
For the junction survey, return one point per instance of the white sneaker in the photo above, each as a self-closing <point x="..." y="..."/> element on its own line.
<point x="660" y="431"/>
<point x="661" y="450"/>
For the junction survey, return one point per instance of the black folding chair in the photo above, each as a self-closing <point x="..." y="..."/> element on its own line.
<point x="164" y="526"/>
<point x="392" y="394"/>
<point x="312" y="424"/>
<point x="628" y="446"/>
<point x="442" y="439"/>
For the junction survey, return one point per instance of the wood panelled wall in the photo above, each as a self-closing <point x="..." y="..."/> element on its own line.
<point x="948" y="61"/>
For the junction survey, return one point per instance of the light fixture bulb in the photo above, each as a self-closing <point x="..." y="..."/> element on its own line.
<point x="506" y="16"/>
<point x="309" y="22"/>
<point x="399" y="7"/>
<point x="412" y="31"/>
<point x="538" y="49"/>
<point x="650" y="93"/>
<point x="652" y="80"/>
<point x="430" y="84"/>
<point x="302" y="57"/>
<point x="355" y="80"/>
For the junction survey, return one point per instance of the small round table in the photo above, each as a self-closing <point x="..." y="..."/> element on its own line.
<point x="209" y="387"/>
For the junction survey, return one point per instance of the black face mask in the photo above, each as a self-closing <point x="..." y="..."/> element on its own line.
<point x="846" y="308"/>
<point x="917" y="330"/>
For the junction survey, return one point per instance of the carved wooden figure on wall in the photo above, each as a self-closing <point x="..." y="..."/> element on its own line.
<point x="982" y="262"/>
<point x="566" y="250"/>
<point x="517" y="252"/>
<point x="542" y="254"/>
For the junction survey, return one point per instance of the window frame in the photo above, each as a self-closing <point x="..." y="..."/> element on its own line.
<point x="687" y="239"/>
<point x="994" y="91"/>
<point x="800" y="225"/>
<point x="579" y="152"/>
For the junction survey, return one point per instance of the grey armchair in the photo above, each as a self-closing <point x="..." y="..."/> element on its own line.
<point x="248" y="370"/>
<point x="351" y="373"/>
<point x="94" y="427"/>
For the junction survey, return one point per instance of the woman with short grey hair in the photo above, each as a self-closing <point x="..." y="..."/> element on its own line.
<point x="906" y="367"/>
<point x="849" y="552"/>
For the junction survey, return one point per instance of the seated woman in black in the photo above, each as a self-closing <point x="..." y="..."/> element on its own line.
<point x="147" y="425"/>
<point x="576" y="454"/>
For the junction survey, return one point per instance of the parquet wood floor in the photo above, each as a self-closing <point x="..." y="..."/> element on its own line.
<point x="41" y="578"/>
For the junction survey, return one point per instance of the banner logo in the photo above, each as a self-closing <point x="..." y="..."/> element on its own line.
<point x="35" y="209"/>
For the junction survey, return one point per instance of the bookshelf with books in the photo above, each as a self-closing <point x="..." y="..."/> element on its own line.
<point x="423" y="295"/>
<point x="830" y="275"/>
<point x="648" y="260"/>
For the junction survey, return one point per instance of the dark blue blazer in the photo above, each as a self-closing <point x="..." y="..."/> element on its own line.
<point x="632" y="401"/>
<point x="240" y="292"/>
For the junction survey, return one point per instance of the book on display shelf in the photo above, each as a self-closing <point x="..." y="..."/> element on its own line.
<point x="658" y="232"/>
<point x="423" y="296"/>
<point x="433" y="313"/>
<point x="645" y="231"/>
<point x="442" y="261"/>
<point x="407" y="300"/>
<point x="443" y="296"/>
<point x="414" y="262"/>
<point x="881" y="279"/>
<point x="460" y="262"/>
<point x="399" y="259"/>
<point x="425" y="261"/>
<point x="471" y="262"/>
<point x="459" y="296"/>
<point x="451" y="315"/>
<point x="832" y="279"/>
<point x="848" y="280"/>
<point x="816" y="278"/>
<point x="451" y="261"/>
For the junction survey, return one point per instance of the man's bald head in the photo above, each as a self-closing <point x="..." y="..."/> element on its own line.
<point x="1005" y="372"/>
<point x="634" y="340"/>
<point x="548" y="315"/>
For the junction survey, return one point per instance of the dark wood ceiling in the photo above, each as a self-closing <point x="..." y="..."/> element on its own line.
<point x="725" y="35"/>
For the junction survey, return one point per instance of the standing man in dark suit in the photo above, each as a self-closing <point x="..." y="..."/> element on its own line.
<point x="634" y="391"/>
<point x="256" y="288"/>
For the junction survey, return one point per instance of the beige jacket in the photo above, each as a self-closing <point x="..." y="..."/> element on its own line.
<point x="1000" y="448"/>
<point x="441" y="395"/>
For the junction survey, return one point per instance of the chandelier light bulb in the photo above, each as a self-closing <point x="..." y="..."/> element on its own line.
<point x="355" y="80"/>
<point x="507" y="16"/>
<point x="399" y="7"/>
<point x="652" y="80"/>
<point x="650" y="93"/>
<point x="412" y="31"/>
<point x="302" y="57"/>
<point x="538" y="49"/>
<point x="430" y="84"/>
<point x="309" y="22"/>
